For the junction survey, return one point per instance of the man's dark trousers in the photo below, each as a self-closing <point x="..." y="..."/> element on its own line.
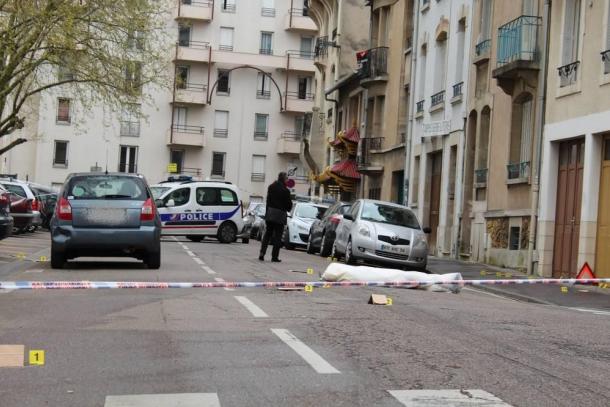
<point x="273" y="231"/>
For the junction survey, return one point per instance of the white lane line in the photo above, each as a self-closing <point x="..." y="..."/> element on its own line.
<point x="470" y="397"/>
<point x="164" y="400"/>
<point x="190" y="253"/>
<point x="316" y="361"/>
<point x="591" y="310"/>
<point x="208" y="270"/>
<point x="6" y="290"/>
<point x="198" y="261"/>
<point x="254" y="309"/>
<point x="221" y="280"/>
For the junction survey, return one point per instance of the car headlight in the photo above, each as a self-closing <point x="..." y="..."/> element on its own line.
<point x="420" y="239"/>
<point x="364" y="231"/>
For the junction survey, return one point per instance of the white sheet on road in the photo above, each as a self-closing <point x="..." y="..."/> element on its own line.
<point x="344" y="272"/>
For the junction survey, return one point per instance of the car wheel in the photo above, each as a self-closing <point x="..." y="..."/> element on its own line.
<point x="227" y="233"/>
<point x="57" y="259"/>
<point x="310" y="248"/>
<point x="195" y="238"/>
<point x="349" y="254"/>
<point x="286" y="239"/>
<point x="245" y="240"/>
<point x="325" y="246"/>
<point x="153" y="260"/>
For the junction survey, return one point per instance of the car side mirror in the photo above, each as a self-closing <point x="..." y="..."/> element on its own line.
<point x="427" y="230"/>
<point x="348" y="216"/>
<point x="159" y="203"/>
<point x="170" y="204"/>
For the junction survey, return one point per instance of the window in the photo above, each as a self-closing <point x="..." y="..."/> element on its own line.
<point x="299" y="125"/>
<point x="177" y="157"/>
<point x="263" y="90"/>
<point x="258" y="168"/>
<point x="222" y="87"/>
<point x="260" y="126"/>
<point x="354" y="210"/>
<point x="128" y="159"/>
<point x="440" y="65"/>
<point x="606" y="53"/>
<point x="485" y="22"/>
<point x="266" y="43"/>
<point x="64" y="73"/>
<point x="268" y="9"/>
<point x="228" y="6"/>
<point x="182" y="76"/>
<point x="459" y="61"/>
<point x="180" y="196"/>
<point x="415" y="182"/>
<point x="306" y="47"/>
<point x="303" y="88"/>
<point x="60" y="155"/>
<point x="184" y="35"/>
<point x="514" y="238"/>
<point x="422" y="67"/>
<point x="568" y="72"/>
<point x="521" y="137"/>
<point x="135" y="40"/>
<point x="226" y="39"/>
<point x="133" y="76"/>
<point x="63" y="110"/>
<point x="215" y="197"/>
<point x="106" y="186"/>
<point x="130" y="122"/>
<point x="218" y="164"/>
<point x="221" y="123"/>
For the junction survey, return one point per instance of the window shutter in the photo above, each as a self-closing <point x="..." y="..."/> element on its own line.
<point x="258" y="164"/>
<point x="268" y="4"/>
<point x="221" y="120"/>
<point x="526" y="131"/>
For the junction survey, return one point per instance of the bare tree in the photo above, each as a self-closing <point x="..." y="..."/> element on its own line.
<point x="103" y="50"/>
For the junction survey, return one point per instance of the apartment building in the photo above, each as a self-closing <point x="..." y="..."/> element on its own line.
<point x="574" y="222"/>
<point x="235" y="112"/>
<point x="503" y="132"/>
<point x="441" y="81"/>
<point x="337" y="120"/>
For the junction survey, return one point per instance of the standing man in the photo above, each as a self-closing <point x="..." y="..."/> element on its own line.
<point x="278" y="204"/>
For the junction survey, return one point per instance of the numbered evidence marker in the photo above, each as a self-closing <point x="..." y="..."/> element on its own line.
<point x="20" y="256"/>
<point x="309" y="288"/>
<point x="43" y="259"/>
<point x="564" y="290"/>
<point x="483" y="272"/>
<point x="389" y="301"/>
<point x="310" y="271"/>
<point x="37" y="357"/>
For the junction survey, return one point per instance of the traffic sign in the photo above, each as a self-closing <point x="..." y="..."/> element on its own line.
<point x="172" y="168"/>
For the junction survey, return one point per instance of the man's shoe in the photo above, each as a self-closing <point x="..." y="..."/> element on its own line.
<point x="261" y="258"/>
<point x="276" y="260"/>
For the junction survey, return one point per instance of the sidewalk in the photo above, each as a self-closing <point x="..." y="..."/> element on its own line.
<point x="578" y="296"/>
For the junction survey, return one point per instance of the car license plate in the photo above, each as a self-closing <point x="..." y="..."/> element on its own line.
<point x="393" y="249"/>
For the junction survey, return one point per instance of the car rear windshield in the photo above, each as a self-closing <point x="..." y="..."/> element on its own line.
<point x="309" y="211"/>
<point x="15" y="189"/>
<point x="392" y="215"/>
<point x="106" y="187"/>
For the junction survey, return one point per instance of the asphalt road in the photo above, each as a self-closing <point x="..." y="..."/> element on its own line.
<point x="265" y="347"/>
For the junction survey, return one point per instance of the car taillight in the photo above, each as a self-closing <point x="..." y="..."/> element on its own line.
<point x="5" y="200"/>
<point x="35" y="205"/>
<point x="335" y="219"/>
<point x="148" y="210"/>
<point x="64" y="209"/>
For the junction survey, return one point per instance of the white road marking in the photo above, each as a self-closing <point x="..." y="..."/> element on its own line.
<point x="316" y="361"/>
<point x="198" y="261"/>
<point x="34" y="271"/>
<point x="254" y="309"/>
<point x="190" y="253"/>
<point x="6" y="290"/>
<point x="208" y="270"/>
<point x="221" y="280"/>
<point x="164" y="400"/>
<point x="591" y="310"/>
<point x="429" y="398"/>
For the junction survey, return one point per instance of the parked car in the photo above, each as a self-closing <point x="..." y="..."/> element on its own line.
<point x="258" y="215"/>
<point x="381" y="232"/>
<point x="23" y="190"/>
<point x="47" y="198"/>
<point x="197" y="209"/>
<point x="6" y="220"/>
<point x="300" y="219"/>
<point x="322" y="232"/>
<point x="106" y="215"/>
<point x="22" y="213"/>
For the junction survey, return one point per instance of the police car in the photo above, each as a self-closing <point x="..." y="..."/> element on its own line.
<point x="196" y="209"/>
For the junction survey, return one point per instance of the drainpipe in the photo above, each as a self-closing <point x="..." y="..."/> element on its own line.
<point x="412" y="90"/>
<point x="171" y="129"/>
<point x="290" y="13"/>
<point x="540" y="120"/>
<point x="460" y="202"/>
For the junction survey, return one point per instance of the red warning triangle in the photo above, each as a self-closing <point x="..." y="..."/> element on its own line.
<point x="585" y="272"/>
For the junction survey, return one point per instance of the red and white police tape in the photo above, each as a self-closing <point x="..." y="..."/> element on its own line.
<point x="74" y="285"/>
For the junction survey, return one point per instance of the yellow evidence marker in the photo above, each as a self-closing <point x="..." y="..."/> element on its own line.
<point x="37" y="357"/>
<point x="43" y="259"/>
<point x="308" y="288"/>
<point x="564" y="290"/>
<point x="483" y="272"/>
<point x="389" y="301"/>
<point x="20" y="256"/>
<point x="309" y="270"/>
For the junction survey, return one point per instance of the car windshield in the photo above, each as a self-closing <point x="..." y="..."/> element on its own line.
<point x="343" y="209"/>
<point x="158" y="192"/>
<point x="106" y="187"/>
<point x="392" y="215"/>
<point x="309" y="211"/>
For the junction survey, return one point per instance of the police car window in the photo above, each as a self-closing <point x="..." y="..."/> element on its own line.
<point x="207" y="196"/>
<point x="180" y="196"/>
<point x="228" y="197"/>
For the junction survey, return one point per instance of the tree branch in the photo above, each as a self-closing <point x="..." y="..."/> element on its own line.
<point x="13" y="144"/>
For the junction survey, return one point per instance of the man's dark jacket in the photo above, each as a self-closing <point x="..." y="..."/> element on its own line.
<point x="278" y="203"/>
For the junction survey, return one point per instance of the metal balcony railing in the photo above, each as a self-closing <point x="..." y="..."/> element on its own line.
<point x="267" y="12"/>
<point x="263" y="94"/>
<point x="437" y="99"/>
<point x="518" y="170"/>
<point x="374" y="63"/>
<point x="419" y="106"/>
<point x="130" y="129"/>
<point x="228" y="8"/>
<point x="193" y="44"/>
<point x="321" y="48"/>
<point x="299" y="12"/>
<point x="257" y="177"/>
<point x="568" y="74"/>
<point x="225" y="48"/>
<point x="299" y="95"/>
<point x="221" y="133"/>
<point x="196" y="87"/>
<point x="185" y="128"/>
<point x="128" y="168"/>
<point x="606" y="60"/>
<point x="197" y="3"/>
<point x="480" y="176"/>
<point x="458" y="89"/>
<point x="517" y="40"/>
<point x="218" y="173"/>
<point x="265" y="51"/>
<point x="482" y="47"/>
<point x="367" y="146"/>
<point x="301" y="54"/>
<point x="260" y="135"/>
<point x="291" y="135"/>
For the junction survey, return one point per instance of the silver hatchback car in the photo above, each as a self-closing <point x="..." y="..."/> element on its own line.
<point x="103" y="215"/>
<point x="381" y="232"/>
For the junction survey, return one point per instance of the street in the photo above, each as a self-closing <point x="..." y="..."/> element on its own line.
<point x="267" y="347"/>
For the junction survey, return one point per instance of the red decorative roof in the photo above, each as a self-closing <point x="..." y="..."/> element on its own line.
<point x="352" y="135"/>
<point x="346" y="169"/>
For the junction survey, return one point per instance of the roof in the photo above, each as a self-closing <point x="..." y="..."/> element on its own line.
<point x="352" y="135"/>
<point x="346" y="169"/>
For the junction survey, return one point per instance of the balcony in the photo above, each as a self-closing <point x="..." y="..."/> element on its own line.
<point x="373" y="66"/>
<point x="437" y="101"/>
<point x="481" y="52"/>
<point x="289" y="143"/>
<point x="257" y="177"/>
<point x="263" y="94"/>
<point x="261" y="135"/>
<point x="297" y="19"/>
<point x="407" y="72"/>
<point x="321" y="51"/>
<point x="194" y="10"/>
<point x="228" y="8"/>
<point x="267" y="12"/>
<point x="130" y="129"/>
<point x="186" y="136"/>
<point x="480" y="178"/>
<point x="193" y="51"/>
<point x="458" y="92"/>
<point x="568" y="74"/>
<point x="301" y="61"/>
<point x="299" y="102"/>
<point x="191" y="94"/>
<point x="518" y="173"/>
<point x="419" y="108"/>
<point x="368" y="161"/>
<point x="265" y="58"/>
<point x="517" y="54"/>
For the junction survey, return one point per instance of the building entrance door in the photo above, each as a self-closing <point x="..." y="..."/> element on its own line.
<point x="436" y="165"/>
<point x="602" y="257"/>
